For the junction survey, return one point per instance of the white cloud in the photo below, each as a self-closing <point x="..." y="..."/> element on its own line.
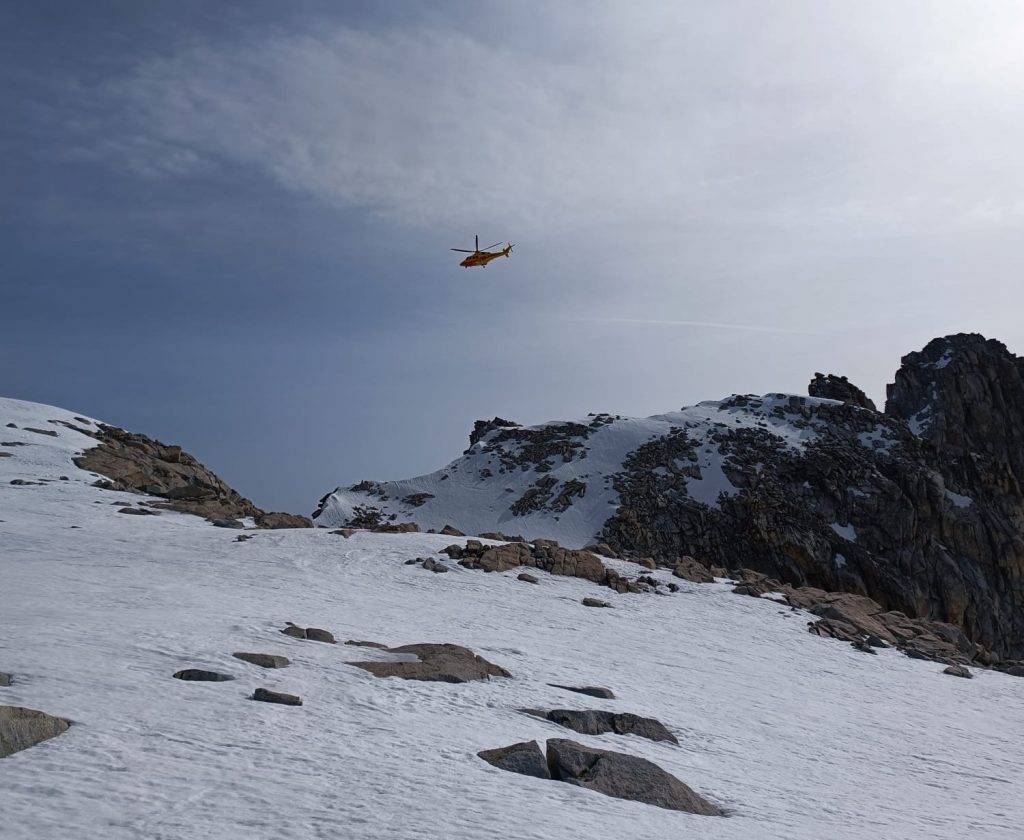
<point x="878" y="117"/>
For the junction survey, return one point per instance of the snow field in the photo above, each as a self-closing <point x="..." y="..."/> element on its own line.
<point x="797" y="736"/>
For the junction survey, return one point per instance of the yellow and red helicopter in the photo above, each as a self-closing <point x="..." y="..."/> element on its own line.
<point x="482" y="257"/>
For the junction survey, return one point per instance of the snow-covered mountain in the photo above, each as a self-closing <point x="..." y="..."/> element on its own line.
<point x="919" y="507"/>
<point x="793" y="735"/>
<point x="562" y="479"/>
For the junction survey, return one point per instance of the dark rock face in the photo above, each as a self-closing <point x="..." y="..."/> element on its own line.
<point x="136" y="462"/>
<point x="921" y="508"/>
<point x="598" y="722"/>
<point x="832" y="387"/>
<point x="23" y="728"/>
<point x="589" y="690"/>
<point x="263" y="660"/>
<point x="624" y="777"/>
<point x="199" y="675"/>
<point x="266" y="696"/>
<point x="482" y="427"/>
<point x="525" y="758"/>
<point x="437" y="663"/>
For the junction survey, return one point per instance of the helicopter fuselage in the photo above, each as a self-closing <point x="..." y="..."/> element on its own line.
<point x="481" y="258"/>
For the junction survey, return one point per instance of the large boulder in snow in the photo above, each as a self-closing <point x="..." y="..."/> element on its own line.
<point x="436" y="663"/>
<point x="624" y="777"/>
<point x="23" y="728"/>
<point x="525" y="758"/>
<point x="599" y="722"/>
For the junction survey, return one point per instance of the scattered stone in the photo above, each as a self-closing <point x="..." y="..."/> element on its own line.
<point x="264" y="660"/>
<point x="525" y="758"/>
<point x="603" y="549"/>
<point x="22" y="728"/>
<point x="647" y="563"/>
<point x="21" y="482"/>
<point x="226" y="523"/>
<point x="431" y="565"/>
<point x="526" y="577"/>
<point x="138" y="511"/>
<point x="437" y="663"/>
<point x="623" y="777"/>
<point x="345" y="532"/>
<point x="1015" y="671"/>
<point x="5" y="680"/>
<point x="199" y="675"/>
<point x="863" y="646"/>
<point x="244" y="537"/>
<point x="598" y="722"/>
<point x="595" y="602"/>
<point x="589" y="690"/>
<point x="5" y="455"/>
<point x="295" y="632"/>
<point x="958" y="671"/>
<point x="315" y="634"/>
<point x="449" y="531"/>
<point x="358" y="643"/>
<point x="11" y="426"/>
<point x="266" y="696"/>
<point x="745" y="589"/>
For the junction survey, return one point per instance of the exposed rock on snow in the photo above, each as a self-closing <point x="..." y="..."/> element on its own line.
<point x="595" y="602"/>
<point x="436" y="663"/>
<point x="525" y="758"/>
<point x="958" y="671"/>
<point x="624" y="777"/>
<point x="5" y="680"/>
<point x="135" y="462"/>
<point x="201" y="675"/>
<point x="526" y="577"/>
<point x="589" y="690"/>
<point x="264" y="695"/>
<point x="598" y="722"/>
<point x="23" y="728"/>
<point x="263" y="660"/>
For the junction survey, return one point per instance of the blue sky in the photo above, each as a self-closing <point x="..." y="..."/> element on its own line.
<point x="226" y="225"/>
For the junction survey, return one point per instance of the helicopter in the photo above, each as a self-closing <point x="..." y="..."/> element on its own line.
<point x="481" y="258"/>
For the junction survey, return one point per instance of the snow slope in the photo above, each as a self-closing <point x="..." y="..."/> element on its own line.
<point x="799" y="737"/>
<point x="475" y="493"/>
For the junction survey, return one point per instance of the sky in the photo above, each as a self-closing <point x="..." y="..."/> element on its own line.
<point x="226" y="225"/>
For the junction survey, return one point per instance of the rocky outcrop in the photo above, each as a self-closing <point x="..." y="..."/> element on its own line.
<point x="263" y="660"/>
<point x="481" y="428"/>
<point x="525" y="758"/>
<point x="135" y="462"/>
<point x="589" y="690"/>
<point x="832" y="387"/>
<point x="22" y="728"/>
<point x="436" y="663"/>
<point x="599" y="722"/>
<point x="201" y="675"/>
<point x="265" y="695"/>
<point x="624" y="777"/>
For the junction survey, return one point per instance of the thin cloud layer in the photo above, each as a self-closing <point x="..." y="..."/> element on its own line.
<point x="875" y="117"/>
